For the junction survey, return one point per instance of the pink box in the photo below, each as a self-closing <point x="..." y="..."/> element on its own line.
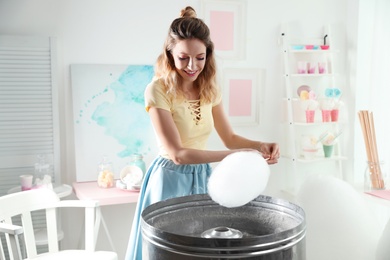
<point x="326" y="116"/>
<point x="310" y="116"/>
<point x="334" y="114"/>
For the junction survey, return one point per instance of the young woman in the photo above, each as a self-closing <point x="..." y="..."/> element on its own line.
<point x="184" y="104"/>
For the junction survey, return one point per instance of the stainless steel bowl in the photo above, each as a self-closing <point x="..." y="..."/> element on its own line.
<point x="181" y="228"/>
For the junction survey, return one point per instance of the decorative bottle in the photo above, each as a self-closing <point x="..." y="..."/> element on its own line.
<point x="137" y="160"/>
<point x="375" y="176"/>
<point x="42" y="173"/>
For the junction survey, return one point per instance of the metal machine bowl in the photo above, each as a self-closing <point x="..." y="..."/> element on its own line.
<point x="195" y="227"/>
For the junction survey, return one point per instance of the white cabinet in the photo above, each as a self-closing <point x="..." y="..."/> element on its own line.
<point x="313" y="110"/>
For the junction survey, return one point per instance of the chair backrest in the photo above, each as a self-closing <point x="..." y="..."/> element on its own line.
<point x="12" y="233"/>
<point x="24" y="203"/>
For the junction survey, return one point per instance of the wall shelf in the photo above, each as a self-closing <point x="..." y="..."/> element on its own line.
<point x="312" y="75"/>
<point x="299" y="157"/>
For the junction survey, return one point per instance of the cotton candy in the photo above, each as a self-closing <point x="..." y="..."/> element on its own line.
<point x="238" y="179"/>
<point x="339" y="223"/>
<point x="383" y="249"/>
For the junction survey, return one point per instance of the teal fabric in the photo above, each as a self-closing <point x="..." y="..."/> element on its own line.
<point x="165" y="180"/>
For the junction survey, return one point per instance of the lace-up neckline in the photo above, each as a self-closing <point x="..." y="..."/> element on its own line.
<point x="194" y="107"/>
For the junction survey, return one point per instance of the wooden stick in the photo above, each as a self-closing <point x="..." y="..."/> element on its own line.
<point x="362" y="117"/>
<point x="373" y="161"/>
<point x="365" y="136"/>
<point x="380" y="183"/>
<point x="368" y="140"/>
<point x="368" y="128"/>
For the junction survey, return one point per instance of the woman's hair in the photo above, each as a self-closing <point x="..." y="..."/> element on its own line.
<point x="188" y="26"/>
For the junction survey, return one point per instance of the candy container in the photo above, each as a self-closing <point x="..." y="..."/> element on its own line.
<point x="105" y="173"/>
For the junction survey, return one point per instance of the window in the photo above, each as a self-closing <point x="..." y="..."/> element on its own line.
<point x="28" y="107"/>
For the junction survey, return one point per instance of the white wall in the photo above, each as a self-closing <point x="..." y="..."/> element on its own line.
<point x="123" y="32"/>
<point x="132" y="32"/>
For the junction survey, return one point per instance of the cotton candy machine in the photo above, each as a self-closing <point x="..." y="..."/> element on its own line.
<point x="195" y="227"/>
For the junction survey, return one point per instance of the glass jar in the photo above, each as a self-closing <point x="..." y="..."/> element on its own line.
<point x="42" y="173"/>
<point x="137" y="160"/>
<point x="375" y="176"/>
<point x="105" y="173"/>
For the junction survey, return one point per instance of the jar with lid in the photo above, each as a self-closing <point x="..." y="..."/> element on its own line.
<point x="137" y="160"/>
<point x="105" y="173"/>
<point x="375" y="176"/>
<point x="42" y="173"/>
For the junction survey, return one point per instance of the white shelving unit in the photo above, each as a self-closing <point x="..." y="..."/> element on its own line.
<point x="298" y="130"/>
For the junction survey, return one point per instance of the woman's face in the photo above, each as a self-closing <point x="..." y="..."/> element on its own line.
<point x="190" y="58"/>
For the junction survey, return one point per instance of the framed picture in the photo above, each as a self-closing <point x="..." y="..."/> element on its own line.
<point x="226" y="20"/>
<point x="241" y="95"/>
<point x="109" y="116"/>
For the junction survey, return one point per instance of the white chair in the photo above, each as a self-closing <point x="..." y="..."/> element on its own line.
<point x="62" y="191"/>
<point x="23" y="204"/>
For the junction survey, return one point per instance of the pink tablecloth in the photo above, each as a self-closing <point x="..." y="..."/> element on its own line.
<point x="110" y="196"/>
<point x="384" y="194"/>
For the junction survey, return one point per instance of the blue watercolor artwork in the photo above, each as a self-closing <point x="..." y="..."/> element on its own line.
<point x="109" y="116"/>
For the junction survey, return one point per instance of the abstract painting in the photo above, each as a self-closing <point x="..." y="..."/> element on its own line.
<point x="109" y="116"/>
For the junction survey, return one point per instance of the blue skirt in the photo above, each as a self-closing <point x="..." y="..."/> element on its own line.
<point x="165" y="180"/>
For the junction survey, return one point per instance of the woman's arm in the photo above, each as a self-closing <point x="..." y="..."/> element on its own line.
<point x="169" y="136"/>
<point x="234" y="141"/>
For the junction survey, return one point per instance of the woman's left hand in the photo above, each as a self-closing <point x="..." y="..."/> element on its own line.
<point x="270" y="152"/>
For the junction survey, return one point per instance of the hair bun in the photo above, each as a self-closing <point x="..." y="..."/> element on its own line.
<point x="188" y="12"/>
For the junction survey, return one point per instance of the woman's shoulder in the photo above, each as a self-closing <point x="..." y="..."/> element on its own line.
<point x="155" y="87"/>
<point x="156" y="84"/>
<point x="156" y="95"/>
<point x="217" y="99"/>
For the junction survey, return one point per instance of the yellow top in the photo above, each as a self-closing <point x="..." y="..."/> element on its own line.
<point x="193" y="122"/>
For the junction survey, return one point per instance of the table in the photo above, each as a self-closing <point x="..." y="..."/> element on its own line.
<point x="62" y="191"/>
<point x="105" y="196"/>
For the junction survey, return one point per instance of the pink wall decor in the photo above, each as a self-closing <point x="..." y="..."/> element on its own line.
<point x="240" y="99"/>
<point x="222" y="30"/>
<point x="241" y="94"/>
<point x="226" y="20"/>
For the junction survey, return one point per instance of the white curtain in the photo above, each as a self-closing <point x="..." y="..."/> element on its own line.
<point x="380" y="76"/>
<point x="373" y="78"/>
